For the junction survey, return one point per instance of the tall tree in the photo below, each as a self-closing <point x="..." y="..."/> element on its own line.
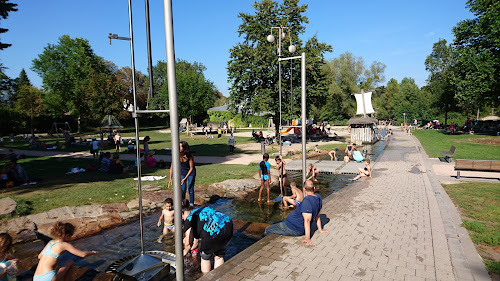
<point x="440" y="63"/>
<point x="65" y="69"/>
<point x="253" y="63"/>
<point x="5" y="8"/>
<point x="196" y="94"/>
<point x="124" y="77"/>
<point x="29" y="102"/>
<point x="477" y="43"/>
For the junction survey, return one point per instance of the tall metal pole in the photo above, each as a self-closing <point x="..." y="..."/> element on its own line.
<point x="280" y="30"/>
<point x="136" y="121"/>
<point x="303" y="97"/>
<point x="150" y="61"/>
<point x="174" y="128"/>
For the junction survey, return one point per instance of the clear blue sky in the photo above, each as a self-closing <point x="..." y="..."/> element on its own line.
<point x="397" y="33"/>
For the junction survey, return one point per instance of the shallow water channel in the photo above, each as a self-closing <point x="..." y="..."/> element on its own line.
<point x="124" y="240"/>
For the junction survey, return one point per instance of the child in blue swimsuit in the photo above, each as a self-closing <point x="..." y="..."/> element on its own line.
<point x="49" y="256"/>
<point x="265" y="176"/>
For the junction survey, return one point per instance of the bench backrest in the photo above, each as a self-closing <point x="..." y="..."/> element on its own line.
<point x="478" y="165"/>
<point x="452" y="149"/>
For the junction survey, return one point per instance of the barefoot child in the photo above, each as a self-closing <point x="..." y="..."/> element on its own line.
<point x="333" y="154"/>
<point x="296" y="197"/>
<point x="48" y="257"/>
<point x="5" y="257"/>
<point x="167" y="214"/>
<point x="265" y="176"/>
<point x="313" y="170"/>
<point x="366" y="172"/>
<point x="280" y="166"/>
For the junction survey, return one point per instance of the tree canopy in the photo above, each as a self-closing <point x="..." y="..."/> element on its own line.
<point x="5" y="8"/>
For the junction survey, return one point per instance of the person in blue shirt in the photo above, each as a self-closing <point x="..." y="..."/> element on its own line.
<point x="265" y="176"/>
<point x="298" y="222"/>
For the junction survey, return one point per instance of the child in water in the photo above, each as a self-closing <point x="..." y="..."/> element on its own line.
<point x="265" y="176"/>
<point x="313" y="170"/>
<point x="296" y="198"/>
<point x="167" y="214"/>
<point x="5" y="246"/>
<point x="48" y="257"/>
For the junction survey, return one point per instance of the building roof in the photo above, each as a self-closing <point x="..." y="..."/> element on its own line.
<point x="362" y="120"/>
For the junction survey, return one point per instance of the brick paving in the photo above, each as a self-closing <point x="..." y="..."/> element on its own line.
<point x="399" y="225"/>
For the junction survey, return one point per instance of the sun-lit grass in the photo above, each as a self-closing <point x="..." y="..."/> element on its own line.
<point x="479" y="205"/>
<point x="57" y="189"/>
<point x="468" y="146"/>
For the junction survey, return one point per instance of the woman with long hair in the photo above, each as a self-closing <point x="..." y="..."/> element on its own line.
<point x="188" y="172"/>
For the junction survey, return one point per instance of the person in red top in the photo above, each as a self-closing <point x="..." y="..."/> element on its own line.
<point x="151" y="162"/>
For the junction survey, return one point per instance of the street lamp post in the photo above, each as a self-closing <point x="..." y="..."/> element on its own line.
<point x="291" y="49"/>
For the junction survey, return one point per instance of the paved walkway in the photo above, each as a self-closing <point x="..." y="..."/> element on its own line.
<point x="399" y="225"/>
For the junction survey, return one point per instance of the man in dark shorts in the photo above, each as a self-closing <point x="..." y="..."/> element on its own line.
<point x="213" y="228"/>
<point x="298" y="222"/>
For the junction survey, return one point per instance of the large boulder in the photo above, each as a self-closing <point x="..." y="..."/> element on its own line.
<point x="7" y="206"/>
<point x="241" y="185"/>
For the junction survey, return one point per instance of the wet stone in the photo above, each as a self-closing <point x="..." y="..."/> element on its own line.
<point x="87" y="211"/>
<point x="114" y="207"/>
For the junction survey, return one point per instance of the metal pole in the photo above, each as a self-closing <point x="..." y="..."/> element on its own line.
<point x="303" y="86"/>
<point x="150" y="61"/>
<point x="136" y="122"/>
<point x="174" y="128"/>
<point x="279" y="86"/>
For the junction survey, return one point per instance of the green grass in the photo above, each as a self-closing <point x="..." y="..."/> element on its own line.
<point x="56" y="189"/>
<point x="476" y="147"/>
<point x="479" y="204"/>
<point x="161" y="142"/>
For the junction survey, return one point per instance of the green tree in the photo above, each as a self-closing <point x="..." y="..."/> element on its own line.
<point x="65" y="69"/>
<point x="124" y="77"/>
<point x="5" y="8"/>
<point x="440" y="63"/>
<point x="220" y="99"/>
<point x="412" y="101"/>
<point x="195" y="93"/>
<point x="29" y="102"/>
<point x="253" y="63"/>
<point x="477" y="43"/>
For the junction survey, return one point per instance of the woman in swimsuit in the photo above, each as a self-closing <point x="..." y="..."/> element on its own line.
<point x="280" y="166"/>
<point x="365" y="172"/>
<point x="49" y="256"/>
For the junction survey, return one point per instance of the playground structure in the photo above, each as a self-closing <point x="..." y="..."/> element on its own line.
<point x="109" y="123"/>
<point x="57" y="129"/>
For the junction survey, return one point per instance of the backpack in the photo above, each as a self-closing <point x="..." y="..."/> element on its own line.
<point x="263" y="167"/>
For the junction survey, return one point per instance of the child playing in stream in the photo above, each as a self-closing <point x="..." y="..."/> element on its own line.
<point x="8" y="265"/>
<point x="167" y="214"/>
<point x="265" y="176"/>
<point x="296" y="198"/>
<point x="47" y="266"/>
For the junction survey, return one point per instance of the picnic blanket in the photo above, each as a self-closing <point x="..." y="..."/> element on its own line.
<point x="151" y="178"/>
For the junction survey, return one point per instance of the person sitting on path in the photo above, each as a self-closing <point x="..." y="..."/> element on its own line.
<point x="280" y="166"/>
<point x="214" y="229"/>
<point x="313" y="170"/>
<point x="296" y="197"/>
<point x="299" y="222"/>
<point x="47" y="268"/>
<point x="265" y="176"/>
<point x="333" y="154"/>
<point x="365" y="172"/>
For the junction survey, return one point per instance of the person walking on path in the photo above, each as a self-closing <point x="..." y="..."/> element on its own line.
<point x="118" y="141"/>
<point x="298" y="222"/>
<point x="231" y="141"/>
<point x="188" y="172"/>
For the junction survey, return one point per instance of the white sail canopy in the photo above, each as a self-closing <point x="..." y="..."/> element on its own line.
<point x="364" y="101"/>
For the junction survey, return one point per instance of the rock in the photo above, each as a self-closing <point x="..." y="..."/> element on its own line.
<point x="60" y="213"/>
<point x="150" y="187"/>
<point x="134" y="204"/>
<point x="129" y="215"/>
<point x="18" y="228"/>
<point x="109" y="220"/>
<point x="114" y="208"/>
<point x="158" y="196"/>
<point x="7" y="206"/>
<point x="40" y="219"/>
<point x="238" y="185"/>
<point x="86" y="211"/>
<point x="104" y="276"/>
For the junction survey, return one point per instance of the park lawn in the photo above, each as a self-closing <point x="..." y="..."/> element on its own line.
<point x="160" y="142"/>
<point x="56" y="189"/>
<point x="476" y="147"/>
<point x="479" y="205"/>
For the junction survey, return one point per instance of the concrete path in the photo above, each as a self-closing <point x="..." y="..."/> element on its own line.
<point x="399" y="225"/>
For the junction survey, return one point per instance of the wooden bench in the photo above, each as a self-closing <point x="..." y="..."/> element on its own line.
<point x="476" y="165"/>
<point x="448" y="154"/>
